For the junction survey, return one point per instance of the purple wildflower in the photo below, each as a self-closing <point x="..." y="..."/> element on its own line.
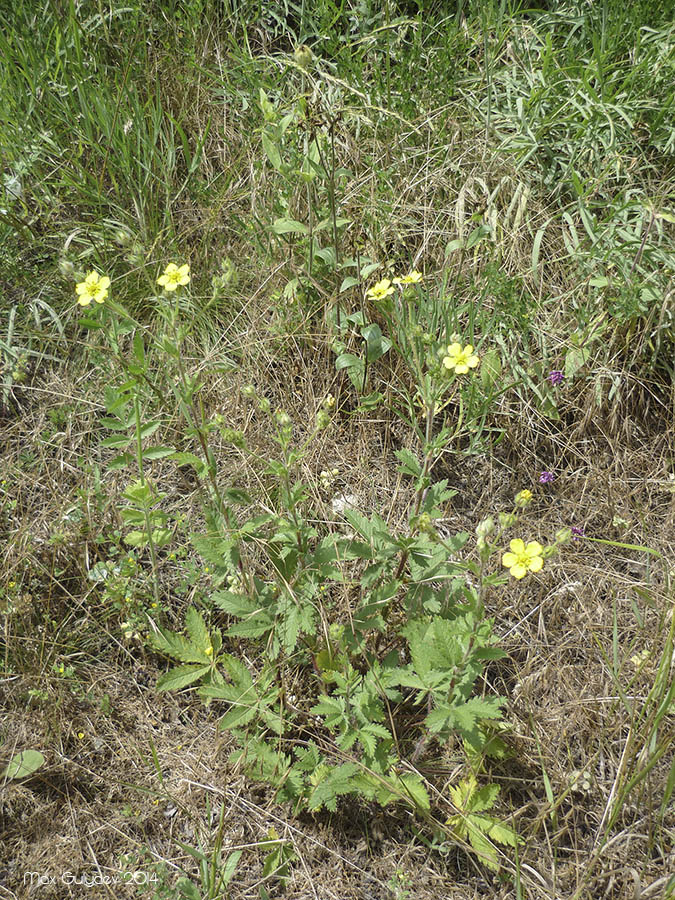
<point x="546" y="478"/>
<point x="577" y="532"/>
<point x="556" y="377"/>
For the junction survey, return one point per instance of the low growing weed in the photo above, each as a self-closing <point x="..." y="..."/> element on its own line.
<point x="370" y="643"/>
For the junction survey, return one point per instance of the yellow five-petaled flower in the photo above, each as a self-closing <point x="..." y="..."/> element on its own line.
<point x="94" y="287"/>
<point x="174" y="276"/>
<point x="461" y="360"/>
<point x="413" y="277"/>
<point x="523" y="559"/>
<point x="381" y="290"/>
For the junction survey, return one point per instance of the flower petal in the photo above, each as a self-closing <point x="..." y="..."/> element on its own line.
<point x="509" y="559"/>
<point x="518" y="571"/>
<point x="517" y="546"/>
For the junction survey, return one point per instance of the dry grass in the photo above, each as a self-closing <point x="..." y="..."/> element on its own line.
<point x="100" y="796"/>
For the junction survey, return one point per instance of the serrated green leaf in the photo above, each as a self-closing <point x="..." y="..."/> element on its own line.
<point x="482" y="846"/>
<point x="148" y="429"/>
<point x="410" y="465"/>
<point x="483" y="799"/>
<point x="113" y="424"/>
<point x="177" y="646"/>
<point x="235" y="604"/>
<point x="119" y="440"/>
<point x="253" y="628"/>
<point x="161" y="537"/>
<point x="237" y="716"/>
<point x="337" y="781"/>
<point x="196" y="628"/>
<point x="412" y="786"/>
<point x="119" y="462"/>
<point x="158" y="452"/>
<point x="180" y="677"/>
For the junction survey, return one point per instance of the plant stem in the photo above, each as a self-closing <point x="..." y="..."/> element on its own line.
<point x="146" y="510"/>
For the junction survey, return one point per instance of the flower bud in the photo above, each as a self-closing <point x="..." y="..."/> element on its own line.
<point x="424" y="523"/>
<point x="67" y="268"/>
<point x="506" y="520"/>
<point x="485" y="528"/>
<point x="303" y="56"/>
<point x="283" y="419"/>
<point x="563" y="535"/>
<point x="523" y="498"/>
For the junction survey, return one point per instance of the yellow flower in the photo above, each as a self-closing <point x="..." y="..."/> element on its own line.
<point x="460" y="360"/>
<point x="174" y="276"/>
<point x="381" y="290"/>
<point x="94" y="287"/>
<point x="523" y="497"/>
<point x="413" y="277"/>
<point x="523" y="559"/>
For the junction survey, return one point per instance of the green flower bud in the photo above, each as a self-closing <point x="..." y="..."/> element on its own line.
<point x="563" y="535"/>
<point x="303" y="56"/>
<point x="506" y="520"/>
<point x="425" y="524"/>
<point x="485" y="528"/>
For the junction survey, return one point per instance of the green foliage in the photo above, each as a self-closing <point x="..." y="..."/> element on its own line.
<point x="474" y="822"/>
<point x="345" y="735"/>
<point x="23" y="764"/>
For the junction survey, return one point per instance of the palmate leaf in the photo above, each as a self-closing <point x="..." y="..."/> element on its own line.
<point x="196" y="629"/>
<point x="178" y="647"/>
<point x="180" y="677"/>
<point x="410" y="465"/>
<point x="214" y="549"/>
<point x="339" y="780"/>
<point x="411" y="788"/>
<point x="481" y="830"/>
<point x="481" y="844"/>
<point x="465" y="717"/>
